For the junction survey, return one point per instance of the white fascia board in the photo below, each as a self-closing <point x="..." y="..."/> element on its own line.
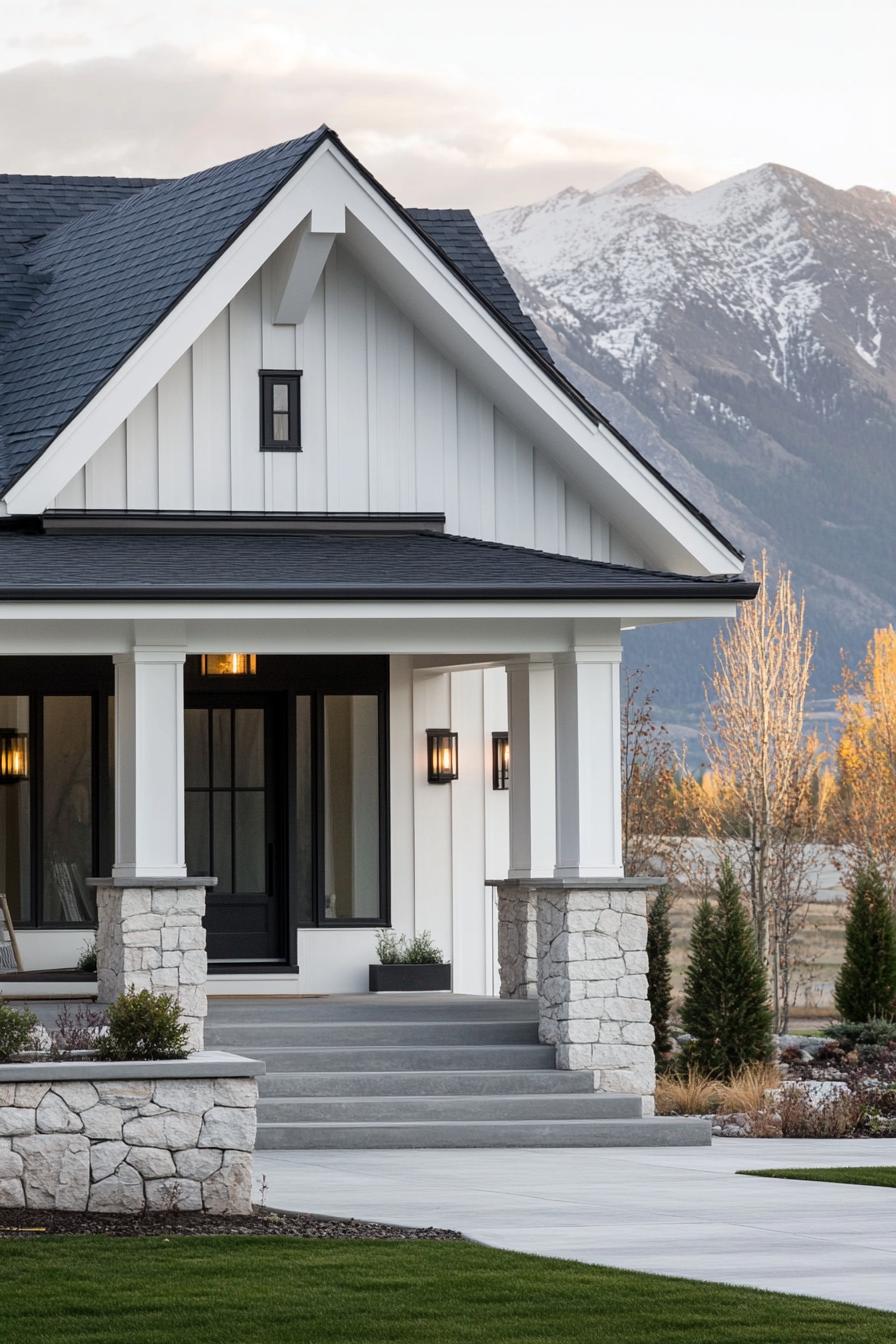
<point x="589" y="454"/>
<point x="483" y="628"/>
<point x="317" y="187"/>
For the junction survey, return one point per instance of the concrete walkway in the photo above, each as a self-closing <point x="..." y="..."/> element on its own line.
<point x="681" y="1211"/>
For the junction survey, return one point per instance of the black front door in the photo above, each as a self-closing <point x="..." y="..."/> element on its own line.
<point x="233" y="822"/>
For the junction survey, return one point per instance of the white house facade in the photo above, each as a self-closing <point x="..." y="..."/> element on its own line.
<point x="299" y="526"/>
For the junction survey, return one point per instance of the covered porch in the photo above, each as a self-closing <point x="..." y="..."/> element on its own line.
<point x="279" y="801"/>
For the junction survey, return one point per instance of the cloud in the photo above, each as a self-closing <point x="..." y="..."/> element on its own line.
<point x="164" y="112"/>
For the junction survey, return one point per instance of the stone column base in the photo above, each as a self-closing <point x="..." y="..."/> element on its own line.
<point x="592" y="965"/>
<point x="152" y="937"/>
<point x="517" y="941"/>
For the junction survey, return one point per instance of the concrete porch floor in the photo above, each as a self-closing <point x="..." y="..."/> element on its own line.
<point x="681" y="1211"/>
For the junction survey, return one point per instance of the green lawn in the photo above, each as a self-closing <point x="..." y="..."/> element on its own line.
<point x="203" y="1290"/>
<point x="839" y="1175"/>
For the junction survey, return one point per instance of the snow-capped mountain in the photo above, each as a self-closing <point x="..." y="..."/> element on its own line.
<point x="744" y="337"/>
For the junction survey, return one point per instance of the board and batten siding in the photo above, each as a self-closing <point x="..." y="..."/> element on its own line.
<point x="388" y="425"/>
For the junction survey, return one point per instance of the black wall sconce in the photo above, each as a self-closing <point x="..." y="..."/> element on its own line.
<point x="441" y="755"/>
<point x="13" y="755"/>
<point x="500" y="761"/>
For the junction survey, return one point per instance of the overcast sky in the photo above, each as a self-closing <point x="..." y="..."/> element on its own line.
<point x="470" y="102"/>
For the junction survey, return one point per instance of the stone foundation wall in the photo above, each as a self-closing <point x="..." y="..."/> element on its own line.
<point x="125" y="1145"/>
<point x="517" y="942"/>
<point x="593" y="984"/>
<point x="153" y="938"/>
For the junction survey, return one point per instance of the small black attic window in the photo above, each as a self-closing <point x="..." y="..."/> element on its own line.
<point x="280" y="415"/>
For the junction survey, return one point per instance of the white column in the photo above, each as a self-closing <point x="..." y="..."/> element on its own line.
<point x="149" y="763"/>
<point x="530" y="703"/>
<point x="589" y="774"/>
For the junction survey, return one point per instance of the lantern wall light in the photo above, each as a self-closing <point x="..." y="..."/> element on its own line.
<point x="500" y="761"/>
<point x="228" y="664"/>
<point x="441" y="755"/>
<point x="13" y="755"/>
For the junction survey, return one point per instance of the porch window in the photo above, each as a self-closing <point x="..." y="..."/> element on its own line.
<point x="351" y="807"/>
<point x="50" y="841"/>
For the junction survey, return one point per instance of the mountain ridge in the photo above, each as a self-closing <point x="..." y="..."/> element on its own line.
<point x="743" y="335"/>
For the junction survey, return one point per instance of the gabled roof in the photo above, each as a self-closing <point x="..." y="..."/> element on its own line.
<point x="89" y="265"/>
<point x="87" y="294"/>
<point x="320" y="564"/>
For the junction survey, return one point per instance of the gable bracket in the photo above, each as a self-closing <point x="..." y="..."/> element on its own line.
<point x="299" y="263"/>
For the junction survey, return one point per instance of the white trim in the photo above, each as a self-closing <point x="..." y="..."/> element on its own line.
<point x="327" y="184"/>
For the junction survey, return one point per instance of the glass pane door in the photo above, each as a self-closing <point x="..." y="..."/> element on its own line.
<point x="230" y="829"/>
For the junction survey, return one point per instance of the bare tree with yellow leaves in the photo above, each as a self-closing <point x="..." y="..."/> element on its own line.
<point x="761" y="809"/>
<point x="866" y="759"/>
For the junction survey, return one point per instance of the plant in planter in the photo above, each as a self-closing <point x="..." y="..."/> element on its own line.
<point x="77" y="1032"/>
<point x="87" y="959"/>
<point x="18" y="1031"/>
<point x="143" y="1025"/>
<point x="408" y="963"/>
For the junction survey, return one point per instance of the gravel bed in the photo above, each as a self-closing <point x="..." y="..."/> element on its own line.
<point x="18" y="1224"/>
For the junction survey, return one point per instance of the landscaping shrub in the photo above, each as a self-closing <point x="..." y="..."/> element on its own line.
<point x="659" y="971"/>
<point x="143" y="1025"/>
<point x="879" y="1031"/>
<point x="794" y="1115"/>
<point x="726" y="1008"/>
<point x="17" y="1028"/>
<point x="76" y="1029"/>
<point x="866" y="985"/>
<point x="397" y="950"/>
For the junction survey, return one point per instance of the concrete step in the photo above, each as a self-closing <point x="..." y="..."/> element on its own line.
<point x="373" y="1008"/>
<point x="246" y="1036"/>
<point x="657" y="1131"/>
<point x="330" y="1059"/>
<point x="432" y="1083"/>
<point x="381" y="1110"/>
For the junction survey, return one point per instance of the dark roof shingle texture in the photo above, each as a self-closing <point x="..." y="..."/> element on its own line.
<point x="304" y="565"/>
<point x="104" y="279"/>
<point x="460" y="238"/>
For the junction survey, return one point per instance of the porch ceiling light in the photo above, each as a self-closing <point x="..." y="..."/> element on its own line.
<point x="441" y="755"/>
<point x="500" y="761"/>
<point x="228" y="664"/>
<point x="13" y="755"/>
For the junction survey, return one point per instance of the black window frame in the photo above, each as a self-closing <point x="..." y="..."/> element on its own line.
<point x="318" y="676"/>
<point x="266" y="380"/>
<point x="93" y="679"/>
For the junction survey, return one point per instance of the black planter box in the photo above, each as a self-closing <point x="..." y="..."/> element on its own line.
<point x="416" y="977"/>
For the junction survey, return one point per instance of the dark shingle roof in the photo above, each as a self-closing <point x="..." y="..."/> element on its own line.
<point x="460" y="238"/>
<point x="107" y="278"/>
<point x="316" y="564"/>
